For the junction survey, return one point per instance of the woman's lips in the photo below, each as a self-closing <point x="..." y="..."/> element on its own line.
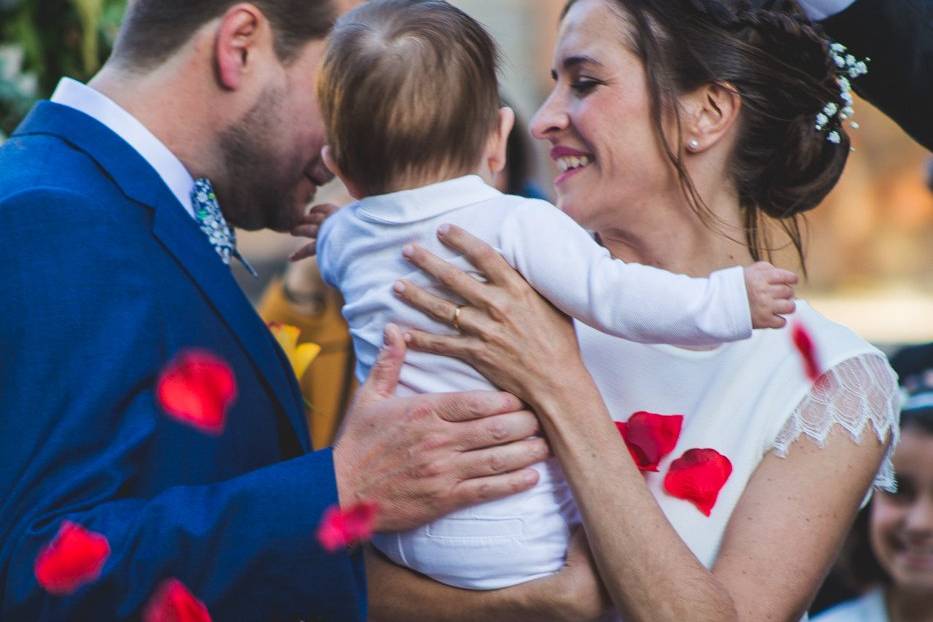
<point x="569" y="162"/>
<point x="563" y="177"/>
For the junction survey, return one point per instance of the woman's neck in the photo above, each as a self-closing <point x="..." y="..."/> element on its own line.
<point x="906" y="606"/>
<point x="671" y="236"/>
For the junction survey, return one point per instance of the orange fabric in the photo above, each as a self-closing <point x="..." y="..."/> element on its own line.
<point x="328" y="385"/>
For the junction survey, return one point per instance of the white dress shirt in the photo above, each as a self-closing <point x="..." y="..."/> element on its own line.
<point x="85" y="99"/>
<point x="818" y="10"/>
<point x="525" y="536"/>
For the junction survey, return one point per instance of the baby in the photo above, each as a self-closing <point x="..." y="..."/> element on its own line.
<point x="410" y="100"/>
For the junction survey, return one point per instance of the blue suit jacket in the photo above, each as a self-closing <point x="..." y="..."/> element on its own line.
<point x="106" y="278"/>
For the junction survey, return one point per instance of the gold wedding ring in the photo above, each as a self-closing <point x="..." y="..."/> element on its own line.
<point x="455" y="321"/>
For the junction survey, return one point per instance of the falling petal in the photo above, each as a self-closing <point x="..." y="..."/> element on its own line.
<point x="803" y="342"/>
<point x="342" y="528"/>
<point x="73" y="558"/>
<point x="173" y="602"/>
<point x="197" y="388"/>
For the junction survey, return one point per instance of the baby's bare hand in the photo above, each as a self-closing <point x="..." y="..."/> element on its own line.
<point x="308" y="227"/>
<point x="770" y="294"/>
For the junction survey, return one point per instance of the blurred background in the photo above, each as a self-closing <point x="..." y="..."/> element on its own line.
<point x="870" y="245"/>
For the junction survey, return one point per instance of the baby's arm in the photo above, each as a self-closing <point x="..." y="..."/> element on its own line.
<point x="632" y="301"/>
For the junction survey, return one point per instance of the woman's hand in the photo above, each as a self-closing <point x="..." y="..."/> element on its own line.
<point x="574" y="594"/>
<point x="509" y="333"/>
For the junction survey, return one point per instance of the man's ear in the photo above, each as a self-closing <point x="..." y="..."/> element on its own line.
<point x="499" y="141"/>
<point x="710" y="112"/>
<point x="242" y="32"/>
<point x="328" y="156"/>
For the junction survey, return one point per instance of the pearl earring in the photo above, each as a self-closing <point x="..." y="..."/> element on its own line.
<point x="693" y="145"/>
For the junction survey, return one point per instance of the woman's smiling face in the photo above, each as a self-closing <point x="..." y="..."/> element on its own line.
<point x="902" y="523"/>
<point x="599" y="123"/>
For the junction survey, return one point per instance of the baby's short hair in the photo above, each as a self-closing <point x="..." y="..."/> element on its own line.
<point x="408" y="89"/>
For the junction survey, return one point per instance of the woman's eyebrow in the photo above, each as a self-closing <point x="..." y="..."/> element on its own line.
<point x="574" y="61"/>
<point x="579" y="59"/>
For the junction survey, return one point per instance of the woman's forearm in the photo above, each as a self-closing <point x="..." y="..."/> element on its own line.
<point x="400" y="595"/>
<point x="649" y="571"/>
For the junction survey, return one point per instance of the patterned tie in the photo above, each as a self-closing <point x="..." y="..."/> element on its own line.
<point x="215" y="227"/>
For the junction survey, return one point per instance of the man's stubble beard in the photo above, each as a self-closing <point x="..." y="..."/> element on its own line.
<point x="257" y="191"/>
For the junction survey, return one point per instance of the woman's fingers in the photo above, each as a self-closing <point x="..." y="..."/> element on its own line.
<point x="448" y="275"/>
<point x="457" y="346"/>
<point x="440" y="309"/>
<point x="483" y="256"/>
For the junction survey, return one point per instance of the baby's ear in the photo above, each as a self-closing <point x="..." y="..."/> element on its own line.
<point x="327" y="156"/>
<point x="499" y="140"/>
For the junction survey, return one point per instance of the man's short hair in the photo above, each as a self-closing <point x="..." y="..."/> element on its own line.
<point x="155" y="29"/>
<point x="408" y="89"/>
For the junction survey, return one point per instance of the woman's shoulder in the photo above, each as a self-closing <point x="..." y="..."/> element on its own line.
<point x="832" y="342"/>
<point x="855" y="389"/>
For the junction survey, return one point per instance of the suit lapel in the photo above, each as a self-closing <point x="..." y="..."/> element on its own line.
<point x="181" y="237"/>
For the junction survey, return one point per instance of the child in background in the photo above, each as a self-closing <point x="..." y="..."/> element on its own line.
<point x="890" y="549"/>
<point x="410" y="98"/>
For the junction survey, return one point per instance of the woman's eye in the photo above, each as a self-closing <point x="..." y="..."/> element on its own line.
<point x="584" y="86"/>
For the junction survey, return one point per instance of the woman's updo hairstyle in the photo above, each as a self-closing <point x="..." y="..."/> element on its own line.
<point x="781" y="66"/>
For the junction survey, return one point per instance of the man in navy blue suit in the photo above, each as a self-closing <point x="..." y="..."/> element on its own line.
<point x="114" y="262"/>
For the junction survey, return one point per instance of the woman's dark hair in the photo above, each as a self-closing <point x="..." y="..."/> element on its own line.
<point x="780" y="65"/>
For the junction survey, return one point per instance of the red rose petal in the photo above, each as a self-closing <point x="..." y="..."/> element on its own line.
<point x="173" y="602"/>
<point x="342" y="528"/>
<point x="197" y="388"/>
<point x="698" y="476"/>
<point x="805" y="346"/>
<point x="73" y="558"/>
<point x="650" y="437"/>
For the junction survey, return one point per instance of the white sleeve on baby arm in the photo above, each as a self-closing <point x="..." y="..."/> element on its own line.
<point x="636" y="302"/>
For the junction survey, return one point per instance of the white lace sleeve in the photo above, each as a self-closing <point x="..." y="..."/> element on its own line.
<point x="858" y="393"/>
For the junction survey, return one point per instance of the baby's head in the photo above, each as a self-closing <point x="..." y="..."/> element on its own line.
<point x="410" y="97"/>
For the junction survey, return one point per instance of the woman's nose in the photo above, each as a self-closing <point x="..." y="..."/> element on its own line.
<point x="550" y="118"/>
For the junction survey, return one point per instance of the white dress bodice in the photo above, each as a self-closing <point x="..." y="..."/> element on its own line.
<point x="745" y="399"/>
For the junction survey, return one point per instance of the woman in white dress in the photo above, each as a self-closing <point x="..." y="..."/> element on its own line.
<point x="685" y="129"/>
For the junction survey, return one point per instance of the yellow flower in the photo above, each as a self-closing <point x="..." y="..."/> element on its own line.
<point x="300" y="356"/>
